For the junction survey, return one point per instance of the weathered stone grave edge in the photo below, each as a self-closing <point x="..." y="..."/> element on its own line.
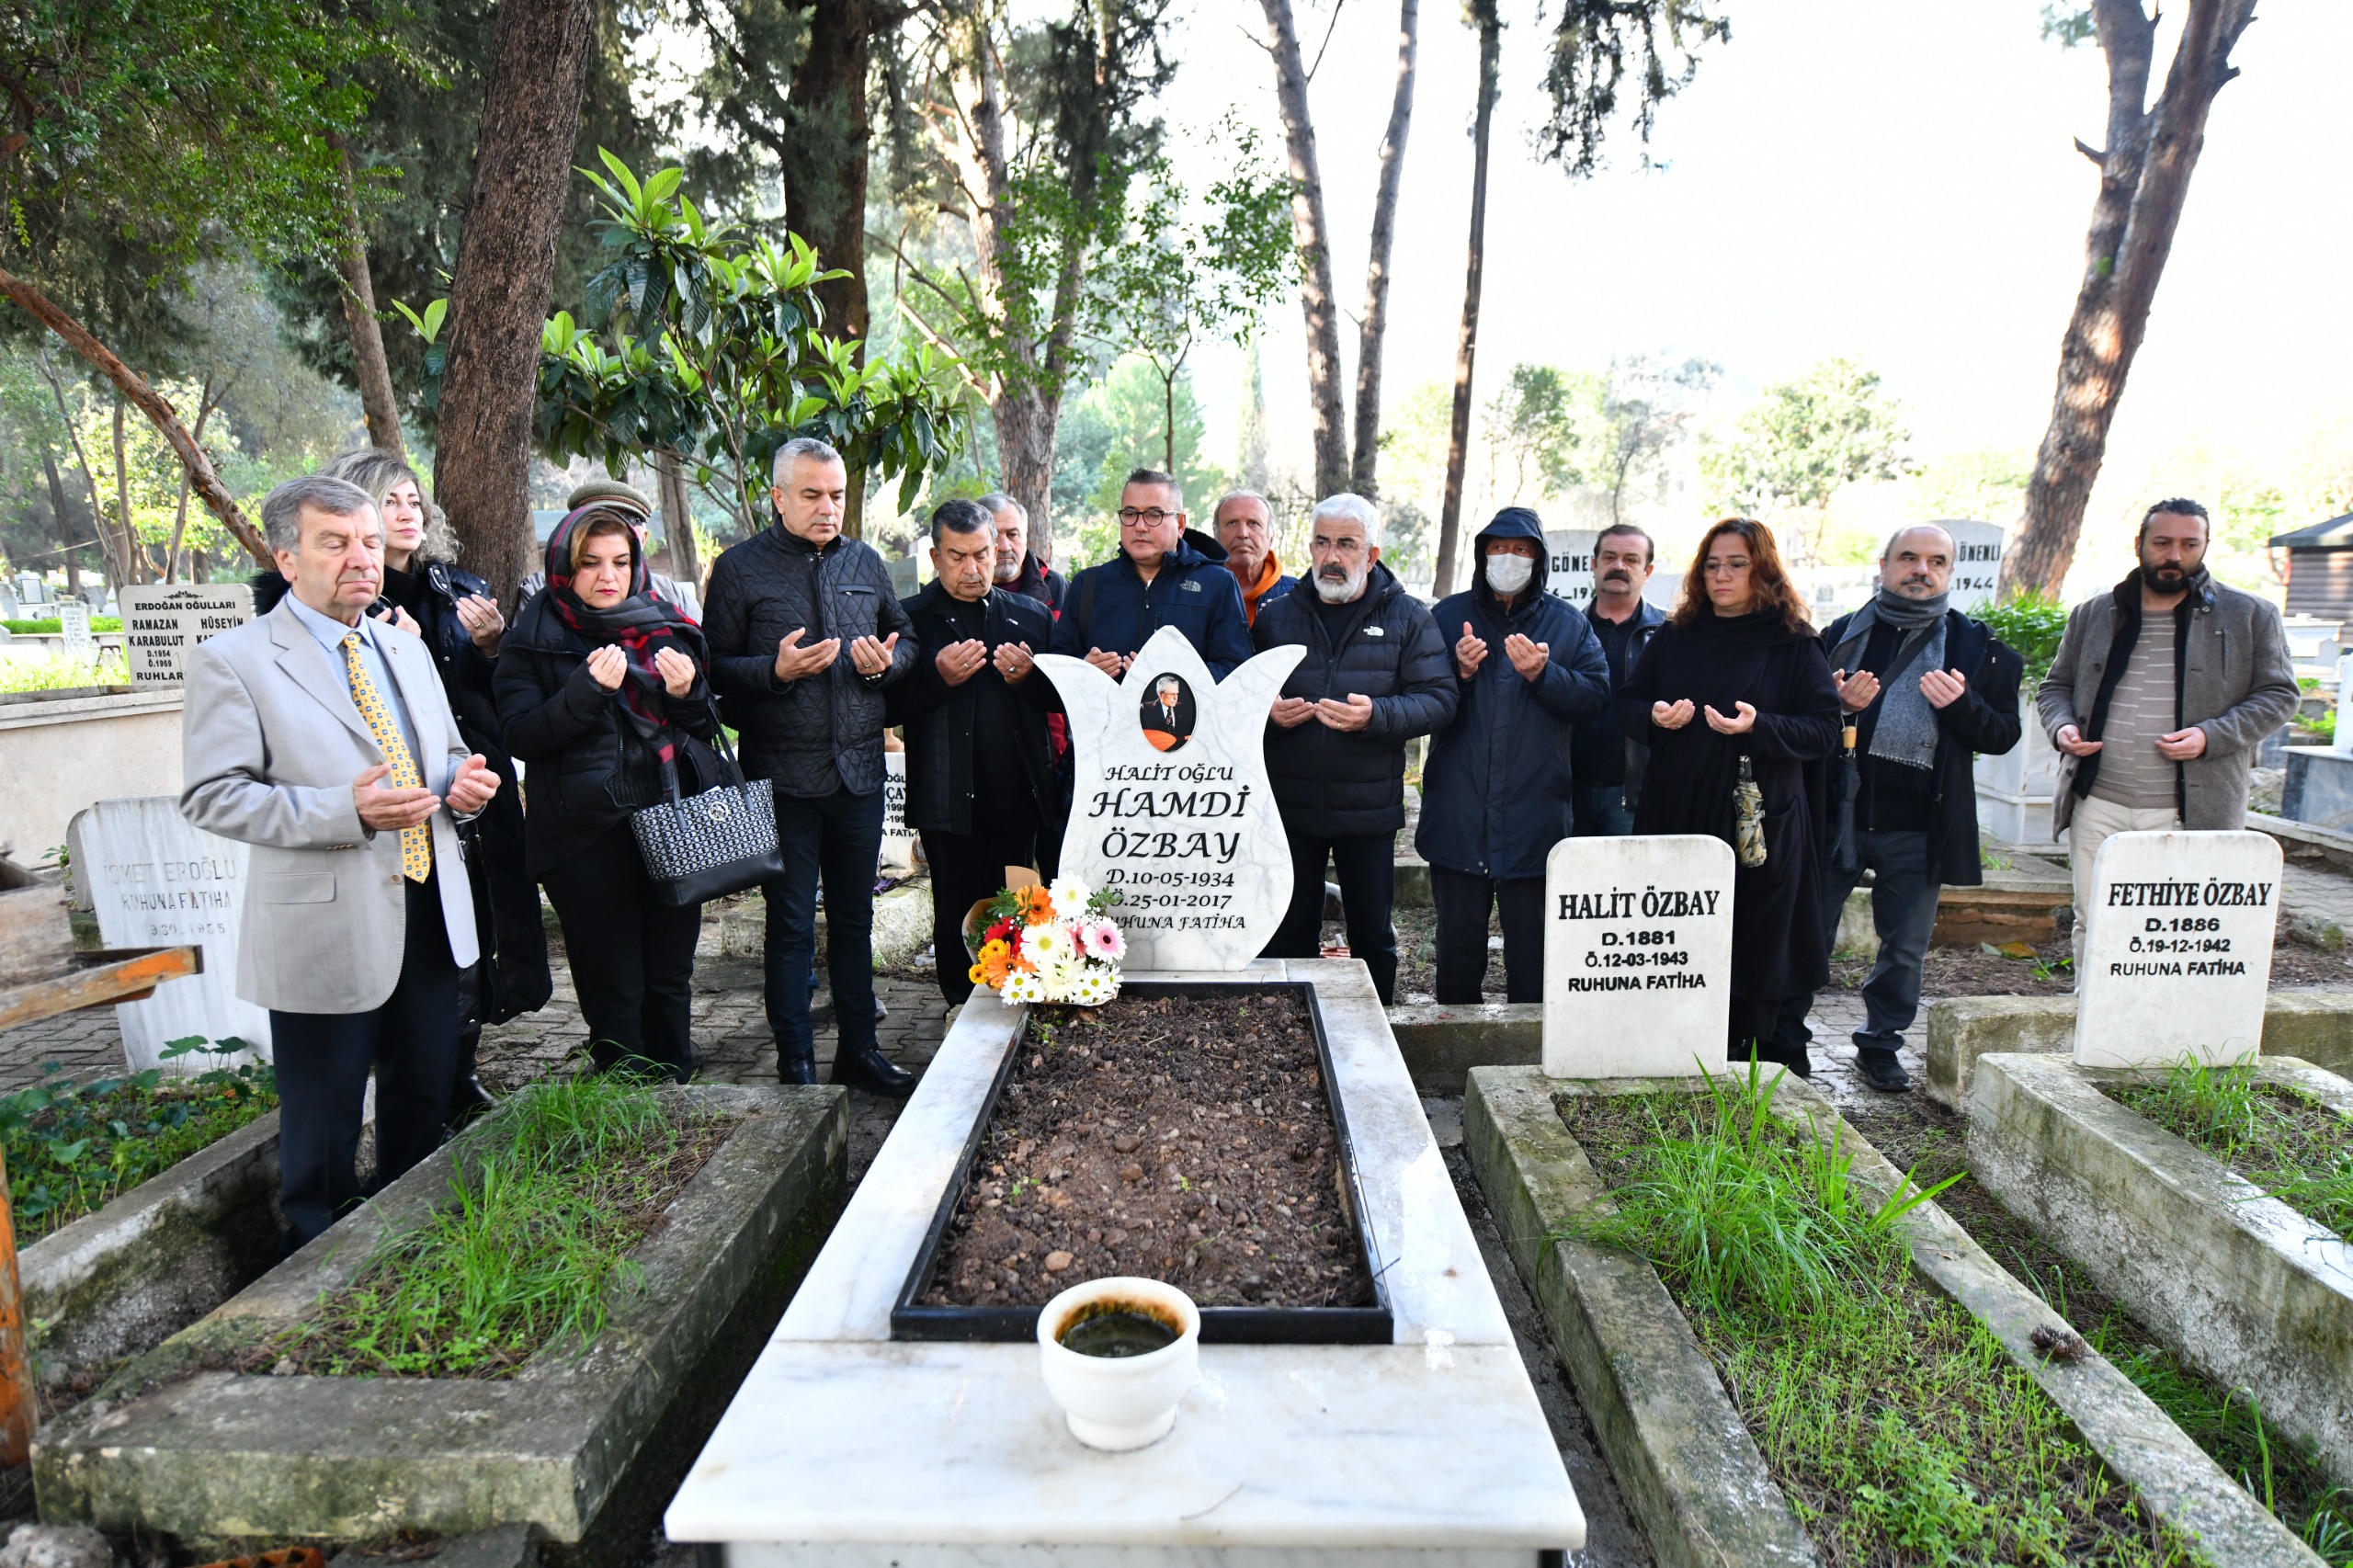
<point x="2312" y="1026"/>
<point x="1702" y="1491"/>
<point x="152" y="1260"/>
<point x="2239" y="1285"/>
<point x="586" y="1448"/>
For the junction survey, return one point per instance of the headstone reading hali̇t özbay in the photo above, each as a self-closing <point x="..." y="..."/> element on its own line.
<point x="2178" y="955"/>
<point x="1637" y="956"/>
<point x="1171" y="809"/>
<point x="155" y="882"/>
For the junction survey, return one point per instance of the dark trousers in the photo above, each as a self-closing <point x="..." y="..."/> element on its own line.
<point x="632" y="959"/>
<point x="837" y="837"/>
<point x="1904" y="911"/>
<point x="965" y="869"/>
<point x="1601" y="810"/>
<point x="1463" y="899"/>
<point x="323" y="1061"/>
<point x="1368" y="867"/>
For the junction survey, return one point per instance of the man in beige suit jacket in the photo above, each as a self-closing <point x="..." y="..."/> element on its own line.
<point x="323" y="739"/>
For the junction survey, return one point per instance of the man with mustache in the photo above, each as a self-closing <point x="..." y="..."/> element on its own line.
<point x="1607" y="765"/>
<point x="1926" y="690"/>
<point x="2161" y="692"/>
<point x="1376" y="675"/>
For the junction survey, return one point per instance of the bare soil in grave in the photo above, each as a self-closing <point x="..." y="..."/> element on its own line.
<point x="1188" y="1139"/>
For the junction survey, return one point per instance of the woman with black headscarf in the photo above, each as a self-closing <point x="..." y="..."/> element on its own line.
<point x="1734" y="690"/>
<point x="599" y="683"/>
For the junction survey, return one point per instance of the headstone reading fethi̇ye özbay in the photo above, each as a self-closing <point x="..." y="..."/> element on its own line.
<point x="162" y="623"/>
<point x="2177" y="956"/>
<point x="1172" y="809"/>
<point x="1637" y="956"/>
<point x="155" y="882"/>
<point x="1976" y="563"/>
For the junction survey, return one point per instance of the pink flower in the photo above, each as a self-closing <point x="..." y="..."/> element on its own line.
<point x="1101" y="939"/>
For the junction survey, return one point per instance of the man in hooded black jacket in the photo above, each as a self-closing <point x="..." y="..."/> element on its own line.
<point x="1376" y="675"/>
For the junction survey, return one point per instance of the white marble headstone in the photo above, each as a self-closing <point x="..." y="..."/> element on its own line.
<point x="2177" y="956"/>
<point x="155" y="882"/>
<point x="898" y="839"/>
<point x="1172" y="808"/>
<point x="1977" y="563"/>
<point x="73" y="622"/>
<point x="2343" y="742"/>
<point x="163" y="622"/>
<point x="1568" y="567"/>
<point x="1637" y="956"/>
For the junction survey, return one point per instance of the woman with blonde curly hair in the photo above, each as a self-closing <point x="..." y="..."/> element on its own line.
<point x="1734" y="687"/>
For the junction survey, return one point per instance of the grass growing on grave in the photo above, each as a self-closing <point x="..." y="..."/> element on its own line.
<point x="552" y="1193"/>
<point x="71" y="1147"/>
<point x="58" y="672"/>
<point x="1897" y="1425"/>
<point x="2289" y="1144"/>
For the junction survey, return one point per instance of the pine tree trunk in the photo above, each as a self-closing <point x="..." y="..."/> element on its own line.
<point x="504" y="277"/>
<point x="1025" y="421"/>
<point x="1313" y="236"/>
<point x="1487" y="18"/>
<point x="2145" y="180"/>
<point x="1364" y="475"/>
<point x="368" y="365"/>
<point x="825" y="160"/>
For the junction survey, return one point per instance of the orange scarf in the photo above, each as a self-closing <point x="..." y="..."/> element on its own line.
<point x="1270" y="571"/>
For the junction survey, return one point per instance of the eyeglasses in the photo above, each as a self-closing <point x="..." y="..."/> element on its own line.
<point x="1129" y="516"/>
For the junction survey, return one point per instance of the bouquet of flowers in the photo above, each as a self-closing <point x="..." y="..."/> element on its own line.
<point x="1047" y="944"/>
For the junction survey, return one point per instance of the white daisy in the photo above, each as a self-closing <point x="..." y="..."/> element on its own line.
<point x="1047" y="943"/>
<point x="1070" y="896"/>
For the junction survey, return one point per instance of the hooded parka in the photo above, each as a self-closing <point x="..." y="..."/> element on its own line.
<point x="1497" y="791"/>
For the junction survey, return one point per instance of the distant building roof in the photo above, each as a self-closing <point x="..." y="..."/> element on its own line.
<point x="2335" y="534"/>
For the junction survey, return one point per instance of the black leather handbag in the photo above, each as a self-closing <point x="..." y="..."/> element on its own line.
<point x="698" y="848"/>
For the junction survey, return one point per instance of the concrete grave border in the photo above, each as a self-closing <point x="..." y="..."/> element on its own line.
<point x="585" y="1447"/>
<point x="2311" y="1026"/>
<point x="1687" y="1466"/>
<point x="2240" y="1285"/>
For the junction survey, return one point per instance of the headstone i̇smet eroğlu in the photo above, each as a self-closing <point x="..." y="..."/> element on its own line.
<point x="2177" y="955"/>
<point x="1172" y="808"/>
<point x="1637" y="956"/>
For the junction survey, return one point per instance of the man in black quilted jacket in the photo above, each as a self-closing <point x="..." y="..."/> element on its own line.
<point x="805" y="634"/>
<point x="1377" y="674"/>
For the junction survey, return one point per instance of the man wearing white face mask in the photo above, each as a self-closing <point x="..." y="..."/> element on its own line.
<point x="1376" y="675"/>
<point x="1497" y="793"/>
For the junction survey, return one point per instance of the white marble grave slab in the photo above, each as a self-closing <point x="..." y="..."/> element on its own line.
<point x="1977" y="562"/>
<point x="2177" y="956"/>
<point x="155" y="882"/>
<point x="846" y="1448"/>
<point x="162" y="624"/>
<point x="898" y="838"/>
<point x="1568" y="564"/>
<point x="1637" y="956"/>
<point x="1172" y="807"/>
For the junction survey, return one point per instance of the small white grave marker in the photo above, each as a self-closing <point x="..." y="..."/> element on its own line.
<point x="155" y="882"/>
<point x="74" y="621"/>
<point x="1637" y="956"/>
<point x="162" y="622"/>
<point x="2177" y="957"/>
<point x="898" y="839"/>
<point x="1568" y="566"/>
<point x="1172" y="808"/>
<point x="1977" y="563"/>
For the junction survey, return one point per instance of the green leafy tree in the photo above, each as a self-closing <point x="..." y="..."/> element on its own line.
<point x="1646" y="411"/>
<point x="698" y="344"/>
<point x="1803" y="442"/>
<point x="1540" y="430"/>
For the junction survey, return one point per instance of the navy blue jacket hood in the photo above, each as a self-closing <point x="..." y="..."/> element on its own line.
<point x="1512" y="522"/>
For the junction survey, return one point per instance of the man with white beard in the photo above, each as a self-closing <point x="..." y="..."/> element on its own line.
<point x="1376" y="675"/>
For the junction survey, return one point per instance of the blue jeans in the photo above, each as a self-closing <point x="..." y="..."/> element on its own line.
<point x="1903" y="910"/>
<point x="838" y="836"/>
<point x="1601" y="810"/>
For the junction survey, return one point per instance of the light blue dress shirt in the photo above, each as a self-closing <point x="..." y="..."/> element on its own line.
<point x="331" y="633"/>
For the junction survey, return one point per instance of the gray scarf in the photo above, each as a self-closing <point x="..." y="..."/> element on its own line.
<point x="1906" y="731"/>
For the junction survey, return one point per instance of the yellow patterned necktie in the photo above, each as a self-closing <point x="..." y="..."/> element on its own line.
<point x="417" y="843"/>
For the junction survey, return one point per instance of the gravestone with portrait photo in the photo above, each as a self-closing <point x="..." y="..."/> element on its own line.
<point x="2176" y="959"/>
<point x="1172" y="809"/>
<point x="1637" y="956"/>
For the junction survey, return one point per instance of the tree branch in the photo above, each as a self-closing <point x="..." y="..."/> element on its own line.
<point x="39" y="306"/>
<point x="2100" y="159"/>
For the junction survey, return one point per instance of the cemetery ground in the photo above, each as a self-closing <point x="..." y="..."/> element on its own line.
<point x="1911" y="1131"/>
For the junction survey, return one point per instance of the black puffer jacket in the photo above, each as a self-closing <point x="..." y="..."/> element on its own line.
<point x="823" y="731"/>
<point x="1336" y="783"/>
<point x="588" y="769"/>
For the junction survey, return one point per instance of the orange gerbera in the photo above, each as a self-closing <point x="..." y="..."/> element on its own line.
<point x="998" y="960"/>
<point x="1037" y="905"/>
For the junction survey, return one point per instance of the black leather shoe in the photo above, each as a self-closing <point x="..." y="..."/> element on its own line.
<point x="796" y="1069"/>
<point x="871" y="1071"/>
<point x="1876" y="1065"/>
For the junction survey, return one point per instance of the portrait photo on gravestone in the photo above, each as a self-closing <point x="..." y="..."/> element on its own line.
<point x="1167" y="713"/>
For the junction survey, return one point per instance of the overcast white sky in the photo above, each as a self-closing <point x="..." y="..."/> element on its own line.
<point x="1892" y="180"/>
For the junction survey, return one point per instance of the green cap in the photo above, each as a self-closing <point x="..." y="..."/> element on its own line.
<point x="610" y="493"/>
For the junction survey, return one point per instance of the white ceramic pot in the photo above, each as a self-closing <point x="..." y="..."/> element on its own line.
<point x="1120" y="1402"/>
